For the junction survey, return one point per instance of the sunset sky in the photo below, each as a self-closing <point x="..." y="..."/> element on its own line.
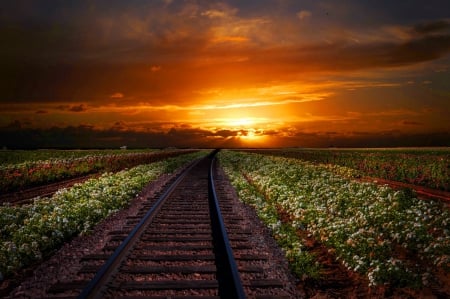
<point x="258" y="73"/>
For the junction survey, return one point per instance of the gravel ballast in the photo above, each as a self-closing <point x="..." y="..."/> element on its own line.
<point x="66" y="262"/>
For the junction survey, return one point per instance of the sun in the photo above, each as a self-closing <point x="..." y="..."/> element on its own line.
<point x="250" y="134"/>
<point x="247" y="131"/>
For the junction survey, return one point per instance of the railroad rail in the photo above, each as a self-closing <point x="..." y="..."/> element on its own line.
<point x="28" y="193"/>
<point x="186" y="244"/>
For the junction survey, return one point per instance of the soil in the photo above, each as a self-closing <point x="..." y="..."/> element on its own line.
<point x="65" y="263"/>
<point x="26" y="195"/>
<point x="34" y="280"/>
<point x="422" y="192"/>
<point x="335" y="282"/>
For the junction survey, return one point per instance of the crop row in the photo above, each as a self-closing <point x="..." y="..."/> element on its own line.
<point x="32" y="173"/>
<point x="21" y="156"/>
<point x="301" y="262"/>
<point x="30" y="232"/>
<point x="425" y="167"/>
<point x="389" y="236"/>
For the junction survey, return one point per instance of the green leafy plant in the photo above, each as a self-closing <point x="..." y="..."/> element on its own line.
<point x="32" y="231"/>
<point x="367" y="226"/>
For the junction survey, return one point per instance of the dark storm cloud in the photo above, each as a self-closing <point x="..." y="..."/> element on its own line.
<point x="364" y="139"/>
<point x="72" y="108"/>
<point x="433" y="26"/>
<point x="53" y="51"/>
<point x="14" y="136"/>
<point x="86" y="136"/>
<point x="78" y="108"/>
<point x="344" y="56"/>
<point x="79" y="56"/>
<point x="368" y="12"/>
<point x="226" y="133"/>
<point x="411" y="123"/>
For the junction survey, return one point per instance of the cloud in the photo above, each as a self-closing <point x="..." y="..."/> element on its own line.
<point x="231" y="39"/>
<point x="227" y="46"/>
<point x="120" y="126"/>
<point x="344" y="56"/>
<point x="288" y="100"/>
<point x="391" y="112"/>
<point x="304" y="14"/>
<point x="214" y="13"/>
<point x="219" y="11"/>
<point x="411" y="123"/>
<point x="162" y="54"/>
<point x="87" y="136"/>
<point x="77" y="108"/>
<point x="432" y="27"/>
<point x="364" y="139"/>
<point x="155" y="68"/>
<point x="226" y="133"/>
<point x="117" y="95"/>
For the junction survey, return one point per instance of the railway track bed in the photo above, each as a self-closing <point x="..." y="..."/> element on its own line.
<point x="27" y="195"/>
<point x="175" y="252"/>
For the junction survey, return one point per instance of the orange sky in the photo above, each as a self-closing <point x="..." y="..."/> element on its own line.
<point x="210" y="73"/>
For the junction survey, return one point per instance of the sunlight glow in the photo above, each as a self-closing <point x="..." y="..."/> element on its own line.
<point x="240" y="122"/>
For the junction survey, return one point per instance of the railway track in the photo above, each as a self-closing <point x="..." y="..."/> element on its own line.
<point x="185" y="243"/>
<point x="27" y="195"/>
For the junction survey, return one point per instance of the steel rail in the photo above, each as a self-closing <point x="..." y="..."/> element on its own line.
<point x="230" y="284"/>
<point x="94" y="288"/>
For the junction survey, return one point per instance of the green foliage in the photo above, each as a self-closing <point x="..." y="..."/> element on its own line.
<point x="301" y="262"/>
<point x="424" y="167"/>
<point x="9" y="157"/>
<point x="32" y="231"/>
<point x="70" y="164"/>
<point x="366" y="225"/>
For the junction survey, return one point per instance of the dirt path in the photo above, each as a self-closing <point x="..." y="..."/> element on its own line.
<point x="26" y="195"/>
<point x="422" y="192"/>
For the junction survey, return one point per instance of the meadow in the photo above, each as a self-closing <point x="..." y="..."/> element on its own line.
<point x="30" y="232"/>
<point x="24" y="169"/>
<point x="389" y="237"/>
<point x="428" y="167"/>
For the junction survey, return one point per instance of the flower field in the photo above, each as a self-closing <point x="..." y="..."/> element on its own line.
<point x="31" y="231"/>
<point x="20" y="156"/>
<point x="388" y="236"/>
<point x="60" y="165"/>
<point x="424" y="167"/>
